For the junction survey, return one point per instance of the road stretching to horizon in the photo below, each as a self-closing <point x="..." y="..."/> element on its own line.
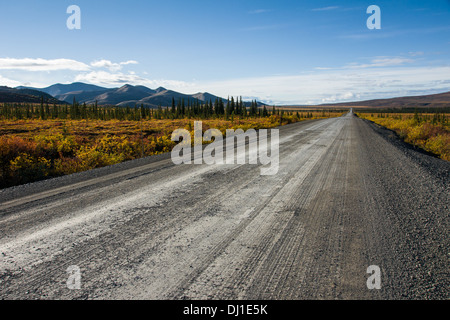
<point x="348" y="195"/>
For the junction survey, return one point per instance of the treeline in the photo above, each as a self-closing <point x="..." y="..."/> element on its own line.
<point x="179" y="109"/>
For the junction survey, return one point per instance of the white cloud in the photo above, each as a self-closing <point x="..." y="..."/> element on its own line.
<point x="108" y="78"/>
<point x="347" y="96"/>
<point x="381" y="62"/>
<point x="326" y="8"/>
<point x="377" y="62"/>
<point x="105" y="64"/>
<point x="39" y="64"/>
<point x="317" y="87"/>
<point x="336" y="85"/>
<point x="29" y="64"/>
<point x="111" y="65"/>
<point x="415" y="54"/>
<point x="119" y="78"/>
<point x="8" y="82"/>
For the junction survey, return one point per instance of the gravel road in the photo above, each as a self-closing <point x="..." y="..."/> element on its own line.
<point x="348" y="195"/>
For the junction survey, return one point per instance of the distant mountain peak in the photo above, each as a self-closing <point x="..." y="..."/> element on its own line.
<point x="125" y="88"/>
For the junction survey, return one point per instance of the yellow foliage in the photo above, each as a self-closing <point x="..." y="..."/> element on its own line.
<point x="434" y="138"/>
<point x="30" y="168"/>
<point x="439" y="144"/>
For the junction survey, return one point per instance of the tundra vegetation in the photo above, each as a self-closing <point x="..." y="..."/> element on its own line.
<point x="39" y="141"/>
<point x="427" y="130"/>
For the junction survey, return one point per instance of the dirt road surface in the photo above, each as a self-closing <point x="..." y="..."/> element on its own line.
<point x="348" y="195"/>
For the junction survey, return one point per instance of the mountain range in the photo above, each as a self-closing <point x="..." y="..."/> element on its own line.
<point x="126" y="95"/>
<point x="439" y="100"/>
<point x="24" y="95"/>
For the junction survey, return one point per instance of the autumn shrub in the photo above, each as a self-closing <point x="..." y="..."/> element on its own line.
<point x="10" y="149"/>
<point x="64" y="166"/>
<point x="27" y="168"/>
<point x="423" y="132"/>
<point x="439" y="144"/>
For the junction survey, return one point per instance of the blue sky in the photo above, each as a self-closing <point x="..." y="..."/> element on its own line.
<point x="280" y="52"/>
